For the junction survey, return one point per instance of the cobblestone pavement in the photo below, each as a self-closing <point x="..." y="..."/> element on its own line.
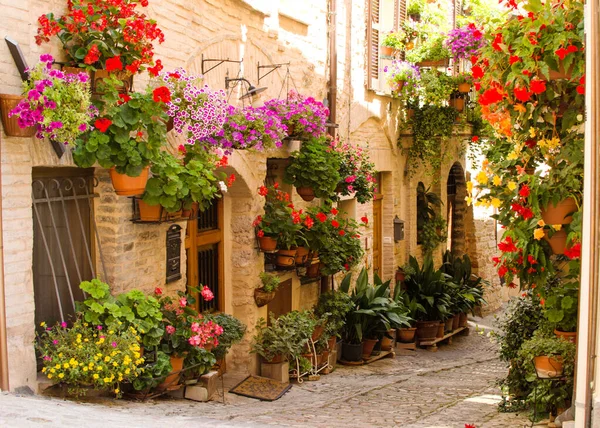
<point x="443" y="389"/>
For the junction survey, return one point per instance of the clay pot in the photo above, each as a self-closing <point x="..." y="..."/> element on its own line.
<point x="407" y="335"/>
<point x="306" y="193"/>
<point x="301" y="255"/>
<point x="458" y="103"/>
<point x="323" y="358"/>
<point x="352" y="351"/>
<point x="558" y="241"/>
<point x="440" y="330"/>
<point x="261" y="297"/>
<point x="267" y="243"/>
<point x="388" y="342"/>
<point x="448" y="325"/>
<point x="128" y="186"/>
<point x="123" y="76"/>
<point x="455" y="321"/>
<point x="277" y="359"/>
<point x="313" y="270"/>
<point x="464" y="87"/>
<point x="400" y="276"/>
<point x="172" y="380"/>
<point x="285" y="258"/>
<point x="386" y="51"/>
<point x="11" y="124"/>
<point x="149" y="212"/>
<point x="569" y="336"/>
<point x="367" y="348"/>
<point x="561" y="73"/>
<point x="438" y="63"/>
<point x="427" y="330"/>
<point x="317" y="332"/>
<point x="462" y="322"/>
<point x="331" y="343"/>
<point x="559" y="213"/>
<point x="547" y="367"/>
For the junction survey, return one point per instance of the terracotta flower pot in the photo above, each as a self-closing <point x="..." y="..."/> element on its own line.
<point x="124" y="76"/>
<point x="172" y="380"/>
<point x="438" y="63"/>
<point x="427" y="330"/>
<point x="561" y="73"/>
<point x="306" y="193"/>
<point x="313" y="270"/>
<point x="286" y="258"/>
<point x="267" y="243"/>
<point x="410" y="113"/>
<point x="331" y="343"/>
<point x="262" y="297"/>
<point x="547" y="367"/>
<point x="448" y="325"/>
<point x="301" y="255"/>
<point x="388" y="342"/>
<point x="569" y="336"/>
<point x="367" y="349"/>
<point x="407" y="335"/>
<point x="464" y="87"/>
<point x="278" y="358"/>
<point x="386" y="51"/>
<point x="149" y="212"/>
<point x="440" y="330"/>
<point x="129" y="186"/>
<point x="11" y="124"/>
<point x="458" y="103"/>
<point x="559" y="213"/>
<point x="455" y="321"/>
<point x="323" y="358"/>
<point x="558" y="241"/>
<point x="462" y="322"/>
<point x="317" y="332"/>
<point x="400" y="276"/>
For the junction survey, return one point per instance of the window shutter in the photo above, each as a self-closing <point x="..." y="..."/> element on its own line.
<point x="373" y="44"/>
<point x="400" y="18"/>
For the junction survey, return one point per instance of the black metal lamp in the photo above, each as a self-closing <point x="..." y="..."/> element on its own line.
<point x="252" y="90"/>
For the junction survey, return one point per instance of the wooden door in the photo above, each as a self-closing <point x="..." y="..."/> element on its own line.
<point x="377" y="235"/>
<point x="204" y="250"/>
<point x="282" y="303"/>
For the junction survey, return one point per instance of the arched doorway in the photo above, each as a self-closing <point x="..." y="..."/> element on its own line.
<point x="456" y="206"/>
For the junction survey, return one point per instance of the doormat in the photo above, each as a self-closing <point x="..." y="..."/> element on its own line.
<point x="262" y="388"/>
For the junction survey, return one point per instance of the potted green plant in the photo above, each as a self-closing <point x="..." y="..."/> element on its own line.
<point x="333" y="306"/>
<point x="233" y="332"/>
<point x="432" y="52"/>
<point x="414" y="9"/>
<point x="401" y="74"/>
<point x="406" y="334"/>
<point x="266" y="292"/>
<point x="463" y="82"/>
<point x="357" y="171"/>
<point x="393" y="41"/>
<point x="126" y="138"/>
<point x="314" y="169"/>
<point x="560" y="308"/>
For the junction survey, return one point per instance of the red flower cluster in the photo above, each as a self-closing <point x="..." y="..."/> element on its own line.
<point x="161" y="94"/>
<point x="581" y="86"/>
<point x="507" y="246"/>
<point x="92" y="56"/>
<point x="524" y="212"/>
<point x="114" y="64"/>
<point x="574" y="252"/>
<point x="102" y="124"/>
<point x="490" y="96"/>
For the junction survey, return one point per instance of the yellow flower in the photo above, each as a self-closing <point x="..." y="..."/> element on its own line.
<point x="469" y="200"/>
<point x="60" y="355"/>
<point x="512" y="156"/>
<point x="520" y="108"/>
<point x="96" y="376"/>
<point x="44" y="370"/>
<point x="512" y="186"/>
<point x="496" y="202"/>
<point x="61" y="375"/>
<point x="469" y="186"/>
<point x="482" y="177"/>
<point x="532" y="132"/>
<point x="85" y="369"/>
<point x="86" y="340"/>
<point x="111" y="332"/>
<point x="107" y="359"/>
<point x="57" y="366"/>
<point x="127" y="371"/>
<point x="106" y="380"/>
<point x="115" y="364"/>
<point x="117" y="391"/>
<point x="52" y="370"/>
<point x="538" y="233"/>
<point x="497" y="180"/>
<point x="42" y="324"/>
<point x="541" y="223"/>
<point x="557" y="226"/>
<point x="99" y="368"/>
<point x="85" y="324"/>
<point x="66" y="365"/>
<point x="98" y="354"/>
<point x="49" y="376"/>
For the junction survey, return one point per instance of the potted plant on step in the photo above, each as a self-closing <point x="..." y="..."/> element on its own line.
<point x="333" y="306"/>
<point x="233" y="332"/>
<point x="266" y="293"/>
<point x="549" y="356"/>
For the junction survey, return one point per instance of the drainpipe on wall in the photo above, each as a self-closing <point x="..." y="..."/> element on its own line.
<point x="3" y="341"/>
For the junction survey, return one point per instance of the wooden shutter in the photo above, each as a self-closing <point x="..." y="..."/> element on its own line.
<point x="400" y="18"/>
<point x="373" y="44"/>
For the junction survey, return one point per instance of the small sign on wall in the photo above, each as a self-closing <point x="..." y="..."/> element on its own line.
<point x="173" y="253"/>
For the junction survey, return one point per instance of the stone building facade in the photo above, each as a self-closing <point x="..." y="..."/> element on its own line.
<point x="259" y="32"/>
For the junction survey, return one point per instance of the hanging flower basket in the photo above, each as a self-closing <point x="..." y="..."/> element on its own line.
<point x="11" y="124"/>
<point x="558" y="241"/>
<point x="559" y="213"/>
<point x="306" y="193"/>
<point x="129" y="186"/>
<point x="261" y="297"/>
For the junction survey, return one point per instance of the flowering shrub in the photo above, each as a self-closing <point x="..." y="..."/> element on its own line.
<point x="88" y="355"/>
<point x="401" y="74"/>
<point x="197" y="111"/>
<point x="248" y="127"/>
<point x="128" y="134"/>
<point x="304" y="117"/>
<point x="357" y="172"/>
<point x="281" y="220"/>
<point x="59" y="104"/>
<point x="104" y="34"/>
<point x="464" y="42"/>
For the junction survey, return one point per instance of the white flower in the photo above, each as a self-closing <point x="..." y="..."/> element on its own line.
<point x="223" y="186"/>
<point x="579" y="117"/>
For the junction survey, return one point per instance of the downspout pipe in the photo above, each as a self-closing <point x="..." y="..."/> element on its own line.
<point x="332" y="90"/>
<point x="4" y="385"/>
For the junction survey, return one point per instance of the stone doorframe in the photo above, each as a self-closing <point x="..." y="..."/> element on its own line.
<point x="456" y="194"/>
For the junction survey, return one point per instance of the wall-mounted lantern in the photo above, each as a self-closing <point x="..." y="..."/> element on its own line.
<point x="398" y="229"/>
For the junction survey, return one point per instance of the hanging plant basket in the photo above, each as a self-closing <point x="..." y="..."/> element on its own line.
<point x="559" y="213"/>
<point x="306" y="193"/>
<point x="11" y="124"/>
<point x="129" y="186"/>
<point x="558" y="241"/>
<point x="548" y="367"/>
<point x="261" y="297"/>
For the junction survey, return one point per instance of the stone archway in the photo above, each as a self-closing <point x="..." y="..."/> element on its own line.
<point x="456" y="206"/>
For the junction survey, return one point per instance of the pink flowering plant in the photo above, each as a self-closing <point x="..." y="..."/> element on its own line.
<point x="357" y="172"/>
<point x="303" y="117"/>
<point x="465" y="42"/>
<point x="248" y="128"/>
<point x="186" y="331"/>
<point x="56" y="103"/>
<point x="197" y="111"/>
<point x="401" y="74"/>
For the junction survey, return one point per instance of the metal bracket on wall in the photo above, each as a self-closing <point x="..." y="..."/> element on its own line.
<point x="218" y="60"/>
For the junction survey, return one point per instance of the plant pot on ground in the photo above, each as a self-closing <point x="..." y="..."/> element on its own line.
<point x="427" y="330"/>
<point x="172" y="380"/>
<point x="367" y="349"/>
<point x="407" y="335"/>
<point x="462" y="319"/>
<point x="448" y="325"/>
<point x="455" y="321"/>
<point x="352" y="351"/>
<point x="440" y="330"/>
<point x="387" y="341"/>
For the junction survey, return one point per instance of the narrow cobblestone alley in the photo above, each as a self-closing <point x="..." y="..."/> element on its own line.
<point x="448" y="388"/>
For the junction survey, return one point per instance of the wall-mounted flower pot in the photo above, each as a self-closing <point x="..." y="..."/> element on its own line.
<point x="569" y="336"/>
<point x="11" y="124"/>
<point x="458" y="103"/>
<point x="386" y="51"/>
<point x="306" y="193"/>
<point x="123" y="76"/>
<point x="129" y="186"/>
<point x="464" y="87"/>
<point x="558" y="241"/>
<point x="149" y="212"/>
<point x="559" y="213"/>
<point x="407" y="335"/>
<point x="262" y="297"/>
<point x="286" y="258"/>
<point x="427" y="330"/>
<point x="547" y="367"/>
<point x="437" y="63"/>
<point x="313" y="270"/>
<point x="267" y="243"/>
<point x="301" y="255"/>
<point x="352" y="351"/>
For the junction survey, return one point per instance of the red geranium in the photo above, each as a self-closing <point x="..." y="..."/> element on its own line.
<point x="161" y="94"/>
<point x="477" y="72"/>
<point x="537" y="86"/>
<point x="524" y="191"/>
<point x="92" y="56"/>
<point x="522" y="94"/>
<point x="102" y="124"/>
<point x="513" y="59"/>
<point x="322" y="217"/>
<point x="335" y="223"/>
<point x="507" y="246"/>
<point x="490" y="96"/>
<point x="114" y="63"/>
<point x="574" y="252"/>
